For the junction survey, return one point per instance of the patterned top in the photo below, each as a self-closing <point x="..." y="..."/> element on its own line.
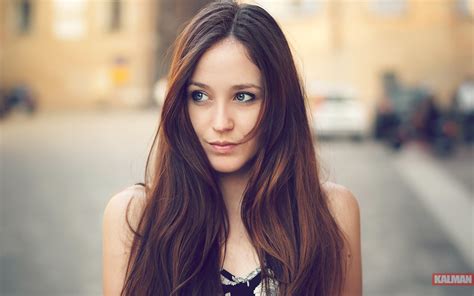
<point x="251" y="285"/>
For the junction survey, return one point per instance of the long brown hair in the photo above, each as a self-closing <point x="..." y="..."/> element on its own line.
<point x="184" y="225"/>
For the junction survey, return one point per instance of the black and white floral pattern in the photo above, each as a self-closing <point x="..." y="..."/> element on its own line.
<point x="251" y="285"/>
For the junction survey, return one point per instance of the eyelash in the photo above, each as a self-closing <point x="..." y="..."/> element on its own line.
<point x="252" y="96"/>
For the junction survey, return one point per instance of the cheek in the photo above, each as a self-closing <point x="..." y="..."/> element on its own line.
<point x="197" y="120"/>
<point x="253" y="147"/>
<point x="248" y="119"/>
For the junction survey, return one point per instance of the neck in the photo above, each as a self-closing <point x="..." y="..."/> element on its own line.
<point x="232" y="186"/>
<point x="238" y="241"/>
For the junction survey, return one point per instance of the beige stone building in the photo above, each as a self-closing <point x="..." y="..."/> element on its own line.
<point x="79" y="53"/>
<point x="348" y="44"/>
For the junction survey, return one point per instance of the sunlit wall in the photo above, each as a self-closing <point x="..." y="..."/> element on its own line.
<point x="79" y="53"/>
<point x="345" y="46"/>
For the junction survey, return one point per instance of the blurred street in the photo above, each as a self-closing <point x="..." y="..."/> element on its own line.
<point x="58" y="171"/>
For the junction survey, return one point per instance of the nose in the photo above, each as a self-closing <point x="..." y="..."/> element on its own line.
<point x="223" y="120"/>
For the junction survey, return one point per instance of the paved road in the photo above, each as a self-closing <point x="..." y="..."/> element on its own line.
<point x="403" y="241"/>
<point x="58" y="171"/>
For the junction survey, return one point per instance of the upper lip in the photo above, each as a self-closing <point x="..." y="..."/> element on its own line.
<point x="222" y="143"/>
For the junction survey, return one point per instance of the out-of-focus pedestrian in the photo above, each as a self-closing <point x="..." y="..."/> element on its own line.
<point x="464" y="104"/>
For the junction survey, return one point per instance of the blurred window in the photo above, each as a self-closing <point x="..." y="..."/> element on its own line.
<point x="465" y="8"/>
<point x="304" y="6"/>
<point x="23" y="15"/>
<point x="69" y="19"/>
<point x="291" y="8"/>
<point x="115" y="21"/>
<point x="388" y="7"/>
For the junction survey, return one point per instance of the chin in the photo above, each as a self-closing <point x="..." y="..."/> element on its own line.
<point x="231" y="165"/>
<point x="227" y="166"/>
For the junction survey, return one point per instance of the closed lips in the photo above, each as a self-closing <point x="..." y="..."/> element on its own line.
<point x="222" y="143"/>
<point x="223" y="147"/>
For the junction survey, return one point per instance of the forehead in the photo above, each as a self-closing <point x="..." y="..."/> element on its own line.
<point x="226" y="62"/>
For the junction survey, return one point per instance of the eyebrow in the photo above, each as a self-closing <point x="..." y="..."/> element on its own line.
<point x="235" y="87"/>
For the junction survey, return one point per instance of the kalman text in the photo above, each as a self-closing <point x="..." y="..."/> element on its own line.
<point x="452" y="279"/>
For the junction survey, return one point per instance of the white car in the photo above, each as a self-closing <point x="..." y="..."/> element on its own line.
<point x="336" y="116"/>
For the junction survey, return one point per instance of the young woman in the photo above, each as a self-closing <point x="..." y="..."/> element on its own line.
<point x="233" y="203"/>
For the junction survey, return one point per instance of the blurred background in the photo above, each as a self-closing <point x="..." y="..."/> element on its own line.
<point x="390" y="86"/>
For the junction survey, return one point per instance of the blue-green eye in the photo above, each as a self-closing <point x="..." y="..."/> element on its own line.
<point x="245" y="97"/>
<point x="198" y="96"/>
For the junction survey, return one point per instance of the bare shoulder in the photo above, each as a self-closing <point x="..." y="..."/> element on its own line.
<point x="117" y="236"/>
<point x="128" y="203"/>
<point x="344" y="206"/>
<point x="341" y="200"/>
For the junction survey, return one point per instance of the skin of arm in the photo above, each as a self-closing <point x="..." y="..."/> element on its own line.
<point x="345" y="208"/>
<point x="117" y="238"/>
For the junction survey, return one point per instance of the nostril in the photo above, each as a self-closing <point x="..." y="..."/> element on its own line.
<point x="222" y="124"/>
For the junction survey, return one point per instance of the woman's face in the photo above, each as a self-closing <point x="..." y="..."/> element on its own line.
<point x="224" y="100"/>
